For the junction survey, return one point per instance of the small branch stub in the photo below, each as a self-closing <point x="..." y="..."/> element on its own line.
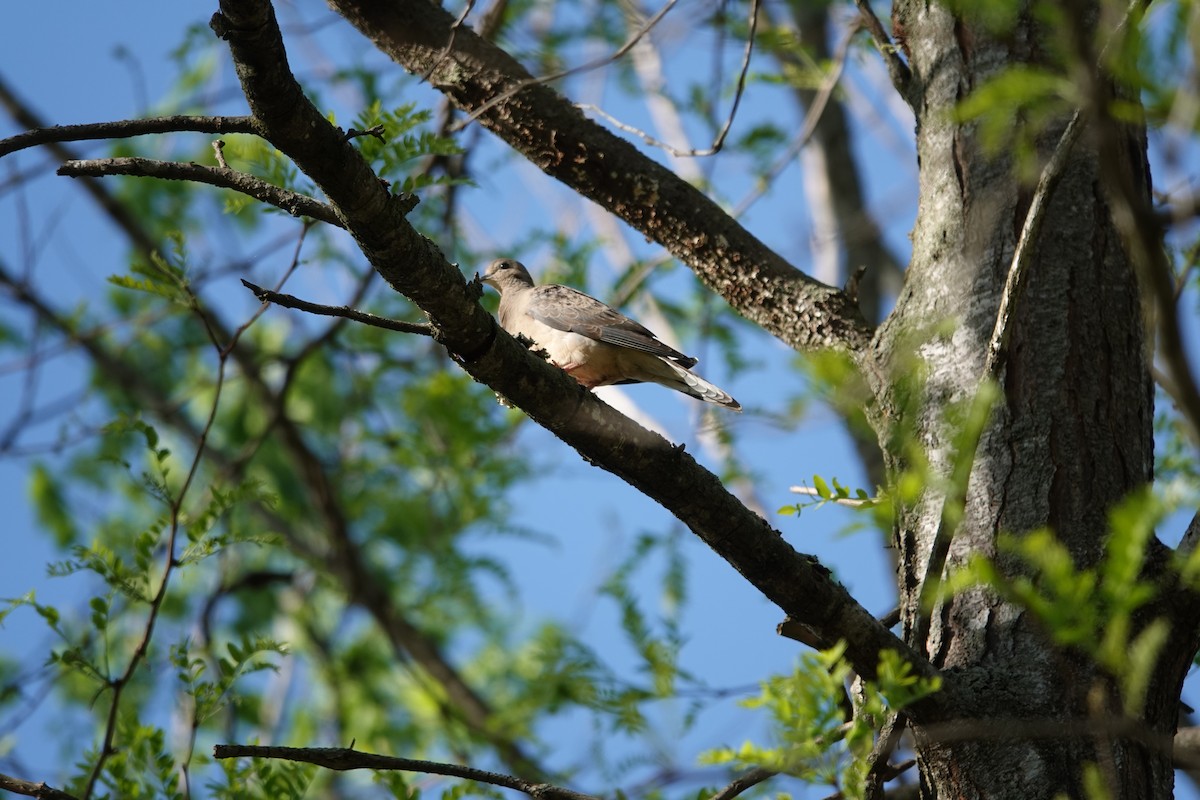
<point x="375" y="131"/>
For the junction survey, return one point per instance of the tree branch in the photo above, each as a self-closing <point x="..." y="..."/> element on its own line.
<point x="128" y="223"/>
<point x="898" y="71"/>
<point x="296" y="204"/>
<point x="123" y="129"/>
<point x="553" y="134"/>
<point x="288" y="301"/>
<point x="878" y="769"/>
<point x="31" y="789"/>
<point x="341" y="758"/>
<point x="719" y="141"/>
<point x="746" y="780"/>
<point x="1191" y="536"/>
<point x="413" y="266"/>
<point x="616" y="55"/>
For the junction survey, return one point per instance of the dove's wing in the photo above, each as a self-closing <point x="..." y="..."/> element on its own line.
<point x="565" y="309"/>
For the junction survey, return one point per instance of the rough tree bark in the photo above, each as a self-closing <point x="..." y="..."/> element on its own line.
<point x="1070" y="437"/>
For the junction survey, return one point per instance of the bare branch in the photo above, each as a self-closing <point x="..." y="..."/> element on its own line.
<point x="745" y="781"/>
<point x="288" y="301"/>
<point x="31" y="789"/>
<point x="296" y="204"/>
<point x="123" y="129"/>
<point x="342" y="758"/>
<point x="878" y="769"/>
<point x="898" y="71"/>
<point x="812" y="118"/>
<point x="375" y="131"/>
<point x="129" y="223"/>
<point x="719" y="141"/>
<point x="566" y="73"/>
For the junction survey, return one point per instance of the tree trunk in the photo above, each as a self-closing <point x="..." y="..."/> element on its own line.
<point x="1070" y="435"/>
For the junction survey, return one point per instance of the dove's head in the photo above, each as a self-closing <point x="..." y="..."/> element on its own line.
<point x="506" y="273"/>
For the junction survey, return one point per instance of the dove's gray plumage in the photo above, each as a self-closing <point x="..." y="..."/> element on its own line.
<point x="596" y="344"/>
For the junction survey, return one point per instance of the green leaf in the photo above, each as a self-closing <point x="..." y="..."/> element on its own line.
<point x="822" y="487"/>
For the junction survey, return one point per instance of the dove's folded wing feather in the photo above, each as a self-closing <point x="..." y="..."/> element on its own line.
<point x="566" y="309"/>
<point x="594" y="343"/>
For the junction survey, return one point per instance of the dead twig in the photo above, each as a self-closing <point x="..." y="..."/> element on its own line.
<point x="289" y="301"/>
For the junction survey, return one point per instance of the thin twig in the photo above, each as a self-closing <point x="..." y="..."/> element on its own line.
<point x="892" y="618"/>
<point x="719" y="141"/>
<point x="123" y="129"/>
<point x="458" y="22"/>
<point x="294" y="203"/>
<point x="342" y="758"/>
<point x="878" y="771"/>
<point x="850" y="502"/>
<point x="223" y="353"/>
<point x="292" y="267"/>
<point x="288" y="301"/>
<point x="566" y="73"/>
<point x="898" y="71"/>
<point x="811" y="120"/>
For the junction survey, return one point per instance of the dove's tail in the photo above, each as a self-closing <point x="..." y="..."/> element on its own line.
<point x="684" y="380"/>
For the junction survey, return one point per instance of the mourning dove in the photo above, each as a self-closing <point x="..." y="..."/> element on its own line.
<point x="595" y="344"/>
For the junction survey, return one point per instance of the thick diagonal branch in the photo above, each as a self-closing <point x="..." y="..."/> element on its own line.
<point x="552" y="133"/>
<point x="414" y="267"/>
